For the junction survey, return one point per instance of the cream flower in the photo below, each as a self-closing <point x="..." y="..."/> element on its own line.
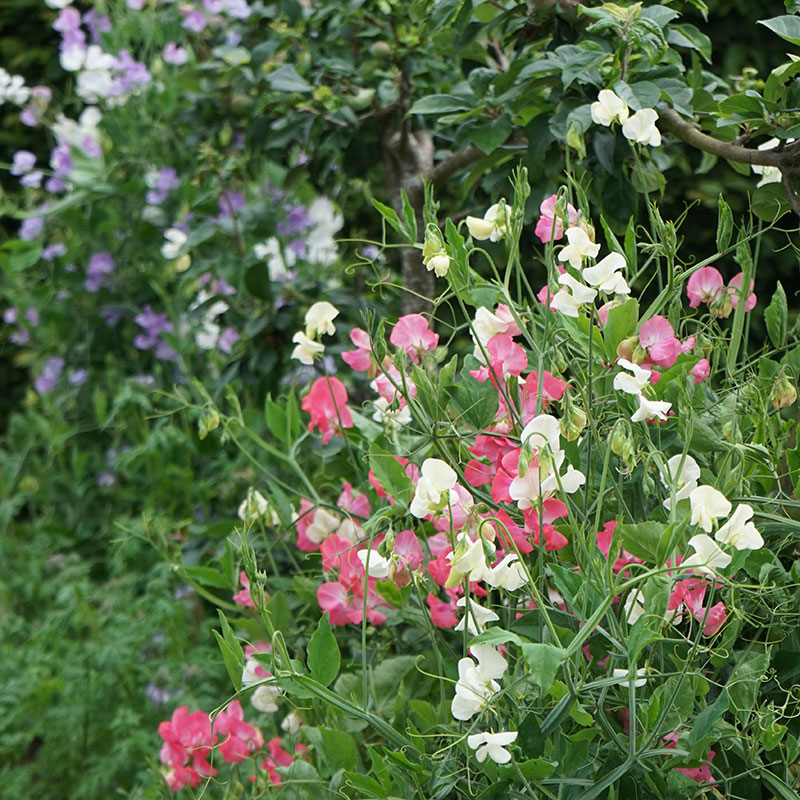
<point x="494" y="225"/>
<point x="739" y="532"/>
<point x="605" y="275"/>
<point x="379" y="566"/>
<point x="580" y="246"/>
<point x="641" y="128"/>
<point x="435" y="487"/>
<point x="492" y="745"/>
<point x="631" y="384"/>
<point x="708" y="504"/>
<point x="319" y="319"/>
<point x="650" y="409"/>
<point x="305" y="349"/>
<point x="683" y="477"/>
<point x="707" y="556"/>
<point x="609" y="107"/>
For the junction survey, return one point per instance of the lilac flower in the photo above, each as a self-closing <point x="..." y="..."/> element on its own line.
<point x="77" y="376"/>
<point x="68" y="20"/>
<point x="213" y="6"/>
<point x="54" y="251"/>
<point x="155" y="694"/>
<point x="298" y="247"/>
<point x="51" y="372"/>
<point x="101" y="265"/>
<point x="371" y="252"/>
<point x="97" y="24"/>
<point x="164" y="352"/>
<point x="30" y="228"/>
<point x="174" y="54"/>
<point x="32" y="315"/>
<point x="193" y="20"/>
<point x="154" y="325"/>
<point x="42" y="93"/>
<point x="20" y="336"/>
<point x="33" y="180"/>
<point x="61" y="159"/>
<point x="55" y="185"/>
<point x="161" y="184"/>
<point x="229" y="203"/>
<point x="227" y="339"/>
<point x="296" y="221"/>
<point x="135" y="5"/>
<point x="23" y="162"/>
<point x="10" y="316"/>
<point x="29" y="116"/>
<point x="222" y="287"/>
<point x="232" y="38"/>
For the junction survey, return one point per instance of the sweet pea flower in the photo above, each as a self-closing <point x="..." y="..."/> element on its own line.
<point x="682" y="472"/>
<point x="305" y="349"/>
<point x="255" y="507"/>
<point x="435" y="488"/>
<point x="413" y="334"/>
<point x="508" y="574"/>
<point x="739" y="532"/>
<point x="624" y="676"/>
<point x="572" y="297"/>
<point x="359" y="359"/>
<point x="708" y="504"/>
<point x="651" y="410"/>
<point x="549" y="225"/>
<point x="476" y="617"/>
<point x="734" y="285"/>
<point x="492" y="745"/>
<point x="327" y="404"/>
<point x="608" y="108"/>
<point x="477" y="683"/>
<point x="319" y="319"/>
<point x="707" y="557"/>
<point x="641" y="128"/>
<point x="704" y="286"/>
<point x="631" y="384"/>
<point x="657" y="337"/>
<point x="580" y="246"/>
<point x="494" y="225"/>
<point x="605" y="275"/>
<point x="700" y="371"/>
<point x="176" y="239"/>
<point x="375" y="565"/>
<point x="768" y="174"/>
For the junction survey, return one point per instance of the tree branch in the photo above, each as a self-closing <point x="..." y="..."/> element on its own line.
<point x="669" y="120"/>
<point x="794" y="200"/>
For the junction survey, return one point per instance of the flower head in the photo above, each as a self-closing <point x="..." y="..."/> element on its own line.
<point x="609" y="107"/>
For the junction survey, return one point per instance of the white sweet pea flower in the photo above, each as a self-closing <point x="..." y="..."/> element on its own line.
<point x="305" y="349"/>
<point x="350" y="530"/>
<point x="609" y="107"/>
<point x="494" y="225"/>
<point x="605" y="275"/>
<point x="291" y="723"/>
<point x="650" y="409"/>
<point x="631" y="384"/>
<point x="634" y="606"/>
<point x="508" y="574"/>
<point x="265" y="697"/>
<point x="278" y="262"/>
<point x="476" y="618"/>
<point x="708" y="504"/>
<point x="379" y="566"/>
<point x="683" y="472"/>
<point x="322" y="526"/>
<point x="176" y="239"/>
<point x="541" y="432"/>
<point x="473" y="690"/>
<point x="394" y="418"/>
<point x="492" y="745"/>
<point x="435" y="487"/>
<point x="641" y="128"/>
<point x="580" y="293"/>
<point x="707" y="556"/>
<point x="468" y="560"/>
<point x="768" y="174"/>
<point x="570" y="481"/>
<point x="439" y="264"/>
<point x="319" y="319"/>
<point x="625" y="676"/>
<point x="325" y="221"/>
<point x="580" y="246"/>
<point x="739" y="532"/>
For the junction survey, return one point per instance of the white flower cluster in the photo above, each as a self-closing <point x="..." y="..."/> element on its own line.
<point x="635" y="384"/>
<point x="477" y="682"/>
<point x="641" y="127"/>
<point x="319" y="321"/>
<point x="13" y="89"/>
<point x="435" y="489"/>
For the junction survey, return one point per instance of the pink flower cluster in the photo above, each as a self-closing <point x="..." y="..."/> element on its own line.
<point x="708" y="286"/>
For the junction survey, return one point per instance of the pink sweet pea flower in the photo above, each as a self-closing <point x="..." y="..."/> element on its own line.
<point x="657" y="337"/>
<point x="715" y="619"/>
<point x="359" y="359"/>
<point x="239" y="738"/>
<point x="443" y="614"/>
<point x="187" y="738"/>
<point x="327" y="404"/>
<point x="391" y="384"/>
<point x="704" y="286"/>
<point x="408" y="550"/>
<point x="550" y="224"/>
<point x="700" y="371"/>
<point x="439" y="568"/>
<point x="476" y="473"/>
<point x="413" y="334"/>
<point x="698" y="774"/>
<point x="340" y="554"/>
<point x="507" y="358"/>
<point x="508" y="531"/>
<point x="734" y="284"/>
<point x="243" y="597"/>
<point x="353" y="504"/>
<point x="340" y="603"/>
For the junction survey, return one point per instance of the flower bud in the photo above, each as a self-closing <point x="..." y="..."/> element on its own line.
<point x="209" y="421"/>
<point x="573" y="421"/>
<point x="625" y="348"/>
<point x="784" y="393"/>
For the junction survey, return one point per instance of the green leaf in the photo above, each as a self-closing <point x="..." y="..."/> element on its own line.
<point x="543" y="661"/>
<point x="775" y="87"/>
<point x="257" y="281"/>
<point x="440" y="104"/>
<point x="704" y="722"/>
<point x="276" y="418"/>
<point x="769" y="202"/>
<point x="390" y="215"/>
<point x="786" y="26"/>
<point x="410" y="216"/>
<point x="232" y="652"/>
<point x="490" y="134"/>
<point x="620" y="324"/>
<point x="495" y="636"/>
<point x="208" y="576"/>
<point x="278" y="608"/>
<point x="286" y="79"/>
<point x="776" y="315"/>
<point x="323" y="653"/>
<point x="686" y="35"/>
<point x="390" y="474"/>
<point x="742" y="686"/>
<point x="340" y="749"/>
<point x="642" y="539"/>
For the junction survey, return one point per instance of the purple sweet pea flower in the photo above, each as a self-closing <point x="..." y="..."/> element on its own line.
<point x="23" y="162"/>
<point x="174" y="54"/>
<point x="111" y="316"/>
<point x="232" y="38"/>
<point x="194" y="20"/>
<point x="61" y="159"/>
<point x="371" y="252"/>
<point x="51" y="372"/>
<point x="30" y="228"/>
<point x="165" y="352"/>
<point x="33" y="180"/>
<point x="106" y="479"/>
<point x="296" y="221"/>
<point x="298" y="247"/>
<point x="77" y="377"/>
<point x="97" y="24"/>
<point x="165" y="181"/>
<point x="238" y="9"/>
<point x="135" y="5"/>
<point x="131" y="74"/>
<point x="68" y="20"/>
<point x="55" y="185"/>
<point x="230" y="203"/>
<point x="29" y="116"/>
<point x="154" y="325"/>
<point x="222" y="287"/>
<point x="227" y="339"/>
<point x="32" y="315"/>
<point x="10" y="316"/>
<point x="20" y="336"/>
<point x="101" y="265"/>
<point x="54" y="251"/>
<point x="213" y="6"/>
